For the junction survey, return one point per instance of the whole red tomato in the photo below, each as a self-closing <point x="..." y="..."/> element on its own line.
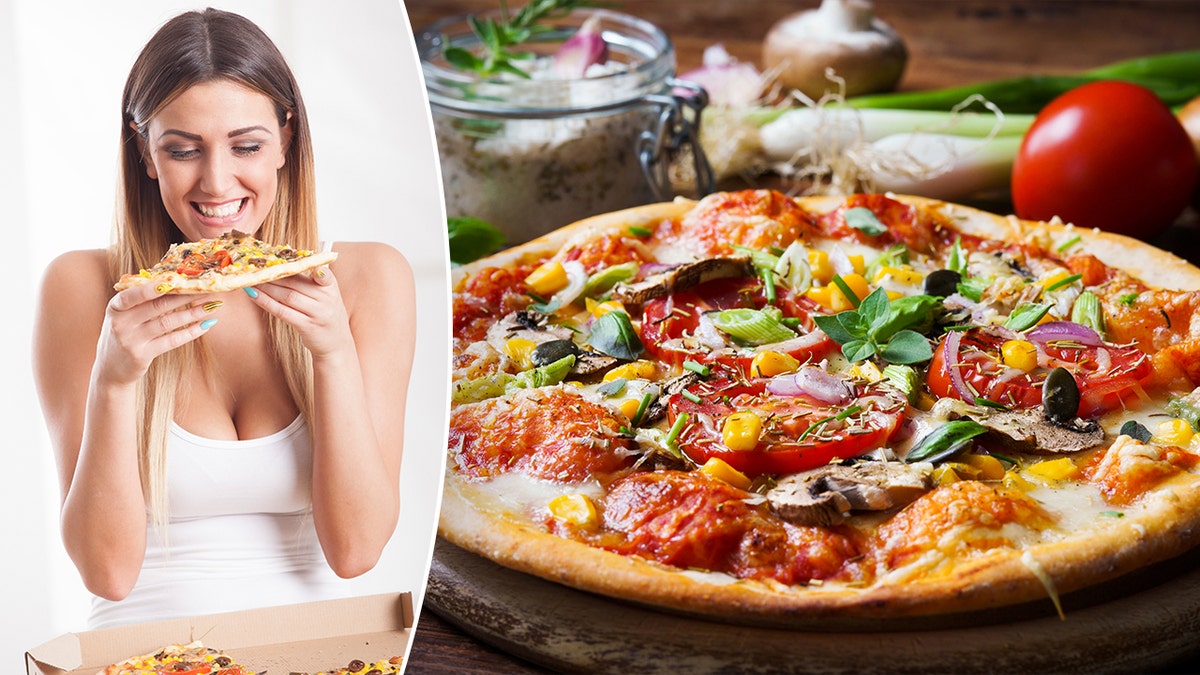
<point x="1107" y="154"/>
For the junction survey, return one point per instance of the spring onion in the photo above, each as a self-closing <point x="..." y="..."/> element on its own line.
<point x="751" y="326"/>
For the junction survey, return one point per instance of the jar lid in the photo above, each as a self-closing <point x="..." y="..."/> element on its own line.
<point x="642" y="54"/>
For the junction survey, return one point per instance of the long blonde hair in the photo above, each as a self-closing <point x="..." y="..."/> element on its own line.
<point x="190" y="49"/>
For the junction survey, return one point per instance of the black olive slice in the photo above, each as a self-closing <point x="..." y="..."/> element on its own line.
<point x="942" y="283"/>
<point x="549" y="352"/>
<point x="1060" y="396"/>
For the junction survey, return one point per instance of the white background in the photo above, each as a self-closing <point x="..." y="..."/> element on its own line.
<point x="63" y="64"/>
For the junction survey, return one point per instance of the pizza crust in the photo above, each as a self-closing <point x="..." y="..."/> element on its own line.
<point x="1167" y="525"/>
<point x="219" y="283"/>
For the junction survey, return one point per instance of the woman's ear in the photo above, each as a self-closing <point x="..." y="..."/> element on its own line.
<point x="285" y="139"/>
<point x="151" y="170"/>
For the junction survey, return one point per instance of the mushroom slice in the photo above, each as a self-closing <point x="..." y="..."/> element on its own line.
<point x="1031" y="431"/>
<point x="658" y="409"/>
<point x="524" y="324"/>
<point x="826" y="495"/>
<point x="682" y="277"/>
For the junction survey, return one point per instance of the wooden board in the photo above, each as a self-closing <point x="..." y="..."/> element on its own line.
<point x="1147" y="622"/>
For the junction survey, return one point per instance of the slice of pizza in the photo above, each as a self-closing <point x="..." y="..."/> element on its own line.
<point x="391" y="666"/>
<point x="227" y="263"/>
<point x="193" y="658"/>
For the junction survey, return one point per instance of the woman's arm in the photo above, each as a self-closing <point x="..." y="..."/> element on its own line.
<point x="360" y="328"/>
<point x="90" y="349"/>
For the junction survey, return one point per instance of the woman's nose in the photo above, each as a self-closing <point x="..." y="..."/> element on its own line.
<point x="217" y="176"/>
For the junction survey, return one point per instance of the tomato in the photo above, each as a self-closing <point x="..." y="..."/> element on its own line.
<point x="1106" y="374"/>
<point x="669" y="324"/>
<point x="1107" y="154"/>
<point x="873" y="417"/>
<point x="197" y="263"/>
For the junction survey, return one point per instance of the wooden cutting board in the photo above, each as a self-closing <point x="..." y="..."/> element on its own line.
<point x="1141" y="623"/>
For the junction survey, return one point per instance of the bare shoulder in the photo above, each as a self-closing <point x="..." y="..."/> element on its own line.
<point x="366" y="265"/>
<point x="77" y="280"/>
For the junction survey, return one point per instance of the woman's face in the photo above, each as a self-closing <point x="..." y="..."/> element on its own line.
<point x="216" y="151"/>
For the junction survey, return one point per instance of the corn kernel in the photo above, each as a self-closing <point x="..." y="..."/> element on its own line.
<point x="548" y="279"/>
<point x="741" y="430"/>
<point x="822" y="295"/>
<point x="944" y="474"/>
<point x="629" y="407"/>
<point x="858" y="263"/>
<point x="1173" y="432"/>
<point x="894" y="295"/>
<point x="866" y="371"/>
<point x="770" y="364"/>
<point x="1019" y="354"/>
<point x="822" y="269"/>
<point x="904" y="275"/>
<point x="1016" y="481"/>
<point x="986" y="466"/>
<point x="634" y="370"/>
<point x="518" y="349"/>
<point x="576" y="509"/>
<point x="1053" y="469"/>
<point x="599" y="309"/>
<point x="720" y="469"/>
<point x="857" y="284"/>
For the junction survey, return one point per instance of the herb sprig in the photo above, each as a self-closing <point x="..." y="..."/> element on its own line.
<point x="884" y="327"/>
<point x="499" y="37"/>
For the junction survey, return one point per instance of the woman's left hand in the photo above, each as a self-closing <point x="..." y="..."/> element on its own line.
<point x="313" y="305"/>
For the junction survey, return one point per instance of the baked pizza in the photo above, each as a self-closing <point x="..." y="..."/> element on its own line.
<point x="788" y="411"/>
<point x="227" y="263"/>
<point x="197" y="659"/>
<point x="190" y="659"/>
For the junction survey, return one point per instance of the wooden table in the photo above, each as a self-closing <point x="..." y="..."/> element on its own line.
<point x="950" y="42"/>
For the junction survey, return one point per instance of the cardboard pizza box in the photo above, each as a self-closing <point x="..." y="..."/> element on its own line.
<point x="312" y="636"/>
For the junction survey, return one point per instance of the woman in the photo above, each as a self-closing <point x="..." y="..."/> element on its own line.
<point x="233" y="450"/>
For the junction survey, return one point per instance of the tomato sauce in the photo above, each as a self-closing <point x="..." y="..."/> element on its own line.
<point x="760" y="219"/>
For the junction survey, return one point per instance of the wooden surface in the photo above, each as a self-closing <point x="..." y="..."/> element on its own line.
<point x="950" y="43"/>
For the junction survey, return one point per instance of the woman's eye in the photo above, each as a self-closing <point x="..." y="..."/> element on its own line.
<point x="247" y="150"/>
<point x="183" y="154"/>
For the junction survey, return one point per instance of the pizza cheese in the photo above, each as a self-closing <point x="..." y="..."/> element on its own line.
<point x="232" y="261"/>
<point x="197" y="659"/>
<point x="782" y="410"/>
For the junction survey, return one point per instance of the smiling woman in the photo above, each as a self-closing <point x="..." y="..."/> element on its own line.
<point x="222" y="451"/>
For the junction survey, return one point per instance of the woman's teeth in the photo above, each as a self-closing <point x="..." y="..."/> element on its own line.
<point x="222" y="211"/>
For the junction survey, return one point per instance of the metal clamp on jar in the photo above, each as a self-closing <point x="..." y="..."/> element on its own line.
<point x="530" y="155"/>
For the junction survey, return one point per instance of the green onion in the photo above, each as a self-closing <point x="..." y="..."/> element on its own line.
<point x="846" y="291"/>
<point x="905" y="379"/>
<point x="768" y="279"/>
<point x="697" y="368"/>
<point x="1087" y="311"/>
<point x="1026" y="316"/>
<point x="691" y="397"/>
<point x="1065" y="281"/>
<point x="852" y="410"/>
<point x="640" y="231"/>
<point x="603" y="280"/>
<point x="1129" y="299"/>
<point x="676" y="429"/>
<point x="1068" y="244"/>
<point x="641" y="409"/>
<point x="750" y="326"/>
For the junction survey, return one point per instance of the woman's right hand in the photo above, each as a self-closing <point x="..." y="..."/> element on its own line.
<point x="140" y="323"/>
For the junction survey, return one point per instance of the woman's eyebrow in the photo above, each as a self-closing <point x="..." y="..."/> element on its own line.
<point x="177" y="132"/>
<point x="246" y="130"/>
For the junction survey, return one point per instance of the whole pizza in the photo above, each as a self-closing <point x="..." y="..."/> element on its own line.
<point x="782" y="411"/>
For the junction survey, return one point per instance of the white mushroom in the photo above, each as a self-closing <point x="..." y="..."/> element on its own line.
<point x="842" y="35"/>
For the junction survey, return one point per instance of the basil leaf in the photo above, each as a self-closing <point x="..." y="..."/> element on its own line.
<point x="858" y="350"/>
<point x="1135" y="430"/>
<point x="864" y="220"/>
<point x="874" y="310"/>
<point x="612" y="387"/>
<point x="913" y="311"/>
<point x="471" y="239"/>
<point x="973" y="287"/>
<point x="613" y="334"/>
<point x="832" y="326"/>
<point x="958" y="258"/>
<point x="907" y="347"/>
<point x="945" y="441"/>
<point x="1026" y="316"/>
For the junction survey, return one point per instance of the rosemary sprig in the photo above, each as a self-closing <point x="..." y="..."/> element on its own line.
<point x="498" y="37"/>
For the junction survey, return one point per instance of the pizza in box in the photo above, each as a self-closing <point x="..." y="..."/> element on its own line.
<point x="782" y="411"/>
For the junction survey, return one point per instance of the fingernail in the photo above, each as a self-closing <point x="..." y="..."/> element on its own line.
<point x="207" y="323"/>
<point x="163" y="288"/>
<point x="321" y="272"/>
<point x="212" y="306"/>
<point x="251" y="292"/>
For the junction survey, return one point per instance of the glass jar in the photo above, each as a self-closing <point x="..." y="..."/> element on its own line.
<point x="532" y="155"/>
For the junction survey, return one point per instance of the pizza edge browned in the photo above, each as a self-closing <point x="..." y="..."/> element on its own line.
<point x="219" y="283"/>
<point x="1168" y="526"/>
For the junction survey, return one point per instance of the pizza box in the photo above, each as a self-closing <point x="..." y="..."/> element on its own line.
<point x="312" y="636"/>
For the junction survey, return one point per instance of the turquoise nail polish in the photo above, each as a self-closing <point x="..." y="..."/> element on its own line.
<point x="207" y="323"/>
<point x="251" y="292"/>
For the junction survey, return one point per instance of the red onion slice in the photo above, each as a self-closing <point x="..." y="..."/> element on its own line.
<point x="1065" y="330"/>
<point x="952" y="346"/>
<point x="811" y="381"/>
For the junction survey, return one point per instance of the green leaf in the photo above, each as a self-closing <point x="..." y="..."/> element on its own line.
<point x="612" y="387"/>
<point x="1026" y="316"/>
<point x="462" y="59"/>
<point x="603" y="280"/>
<point x="864" y="220"/>
<point x="858" y="350"/>
<point x="874" y="310"/>
<point x="973" y="287"/>
<point x="613" y="334"/>
<point x="542" y="376"/>
<point x="907" y="347"/>
<point x="471" y="239"/>
<point x="945" y="441"/>
<point x="913" y="312"/>
<point x="832" y="326"/>
<point x="958" y="258"/>
<point x="1135" y="430"/>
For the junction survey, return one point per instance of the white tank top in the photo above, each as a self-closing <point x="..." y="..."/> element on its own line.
<point x="240" y="535"/>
